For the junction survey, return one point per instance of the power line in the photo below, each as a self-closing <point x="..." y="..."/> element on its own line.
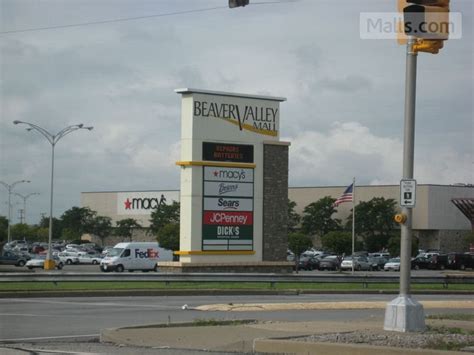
<point x="113" y="20"/>
<point x="89" y="23"/>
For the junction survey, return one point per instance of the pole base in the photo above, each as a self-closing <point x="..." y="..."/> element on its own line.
<point x="404" y="314"/>
<point x="49" y="264"/>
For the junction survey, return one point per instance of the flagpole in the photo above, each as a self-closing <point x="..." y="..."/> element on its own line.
<point x="353" y="222"/>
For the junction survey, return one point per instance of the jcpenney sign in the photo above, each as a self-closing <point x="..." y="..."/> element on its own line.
<point x="143" y="203"/>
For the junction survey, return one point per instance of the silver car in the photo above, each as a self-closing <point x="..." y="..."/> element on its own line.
<point x="360" y="263"/>
<point x="38" y="262"/>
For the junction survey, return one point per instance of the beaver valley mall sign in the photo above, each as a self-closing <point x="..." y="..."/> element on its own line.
<point x="222" y="154"/>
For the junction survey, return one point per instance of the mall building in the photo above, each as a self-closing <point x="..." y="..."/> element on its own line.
<point x="442" y="216"/>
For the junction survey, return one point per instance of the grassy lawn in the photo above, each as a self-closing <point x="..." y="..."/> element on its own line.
<point x="147" y="285"/>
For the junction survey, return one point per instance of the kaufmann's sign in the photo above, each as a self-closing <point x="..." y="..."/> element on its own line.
<point x="262" y="118"/>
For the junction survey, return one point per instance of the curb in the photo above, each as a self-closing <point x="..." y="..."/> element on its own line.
<point x="288" y="346"/>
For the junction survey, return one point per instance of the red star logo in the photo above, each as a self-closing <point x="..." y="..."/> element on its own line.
<point x="128" y="204"/>
<point x="216" y="173"/>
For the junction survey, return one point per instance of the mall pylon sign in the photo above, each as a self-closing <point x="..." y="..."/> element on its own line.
<point x="223" y="138"/>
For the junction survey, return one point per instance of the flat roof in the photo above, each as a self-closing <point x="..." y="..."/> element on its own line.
<point x="289" y="187"/>
<point x="231" y="94"/>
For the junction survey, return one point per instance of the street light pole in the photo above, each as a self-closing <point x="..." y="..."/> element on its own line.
<point x="24" y="198"/>
<point x="52" y="139"/>
<point x="10" y="187"/>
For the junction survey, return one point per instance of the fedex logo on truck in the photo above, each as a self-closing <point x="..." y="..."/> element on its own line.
<point x="148" y="254"/>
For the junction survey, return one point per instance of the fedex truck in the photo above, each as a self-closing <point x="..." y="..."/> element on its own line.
<point x="135" y="256"/>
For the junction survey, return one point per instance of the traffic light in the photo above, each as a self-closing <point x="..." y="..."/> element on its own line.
<point x="427" y="21"/>
<point x="428" y="46"/>
<point x="237" y="3"/>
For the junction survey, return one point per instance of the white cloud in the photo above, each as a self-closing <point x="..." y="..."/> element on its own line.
<point x="344" y="113"/>
<point x="350" y="150"/>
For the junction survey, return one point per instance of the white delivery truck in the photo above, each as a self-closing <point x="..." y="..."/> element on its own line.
<point x="135" y="256"/>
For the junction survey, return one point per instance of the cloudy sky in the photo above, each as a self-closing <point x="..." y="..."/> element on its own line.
<point x="343" y="114"/>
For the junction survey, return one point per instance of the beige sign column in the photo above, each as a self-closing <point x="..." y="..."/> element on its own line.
<point x="222" y="156"/>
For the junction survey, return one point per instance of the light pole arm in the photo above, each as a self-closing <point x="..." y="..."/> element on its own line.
<point x="68" y="130"/>
<point x="41" y="130"/>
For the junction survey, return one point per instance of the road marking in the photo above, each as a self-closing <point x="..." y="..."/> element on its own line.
<point x="83" y="304"/>
<point x="48" y="351"/>
<point x="50" y="338"/>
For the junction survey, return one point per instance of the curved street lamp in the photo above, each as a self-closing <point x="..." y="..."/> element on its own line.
<point x="52" y="139"/>
<point x="24" y="198"/>
<point x="10" y="187"/>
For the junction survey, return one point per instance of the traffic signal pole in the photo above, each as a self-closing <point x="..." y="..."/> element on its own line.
<point x="405" y="314"/>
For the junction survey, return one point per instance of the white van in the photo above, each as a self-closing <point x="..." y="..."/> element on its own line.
<point x="135" y="256"/>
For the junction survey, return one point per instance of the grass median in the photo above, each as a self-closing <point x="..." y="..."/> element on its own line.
<point x="258" y="286"/>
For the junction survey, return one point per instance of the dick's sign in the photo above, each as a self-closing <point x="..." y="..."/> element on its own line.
<point x="227" y="220"/>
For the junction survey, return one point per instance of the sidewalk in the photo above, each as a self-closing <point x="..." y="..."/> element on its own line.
<point x="275" y="337"/>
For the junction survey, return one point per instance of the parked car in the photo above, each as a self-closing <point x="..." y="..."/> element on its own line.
<point x="458" y="261"/>
<point x="439" y="261"/>
<point x="308" y="263"/>
<point x="329" y="262"/>
<point x="89" y="259"/>
<point x="68" y="257"/>
<point x="314" y="253"/>
<point x="377" y="262"/>
<point x="392" y="265"/>
<point x="380" y="255"/>
<point x="360" y="263"/>
<point x="420" y="262"/>
<point x="38" y="262"/>
<point x="10" y="258"/>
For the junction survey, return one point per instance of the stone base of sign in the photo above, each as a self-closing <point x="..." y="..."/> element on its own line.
<point x="280" y="267"/>
<point x="404" y="314"/>
<point x="275" y="201"/>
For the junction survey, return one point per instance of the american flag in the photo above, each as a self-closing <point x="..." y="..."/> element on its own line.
<point x="345" y="197"/>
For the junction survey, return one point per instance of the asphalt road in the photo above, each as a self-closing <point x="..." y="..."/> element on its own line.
<point x="33" y="318"/>
<point x="72" y="325"/>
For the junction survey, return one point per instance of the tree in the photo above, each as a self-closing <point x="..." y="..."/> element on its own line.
<point x="77" y="221"/>
<point x="57" y="227"/>
<point x="293" y="217"/>
<point x="126" y="226"/>
<point x="3" y="228"/>
<point x="168" y="236"/>
<point x="374" y="222"/>
<point x="102" y="227"/>
<point x="42" y="234"/>
<point x="393" y="245"/>
<point x="317" y="217"/>
<point x="298" y="243"/>
<point x="338" y="242"/>
<point x="469" y="239"/>
<point x="22" y="231"/>
<point x="163" y="215"/>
